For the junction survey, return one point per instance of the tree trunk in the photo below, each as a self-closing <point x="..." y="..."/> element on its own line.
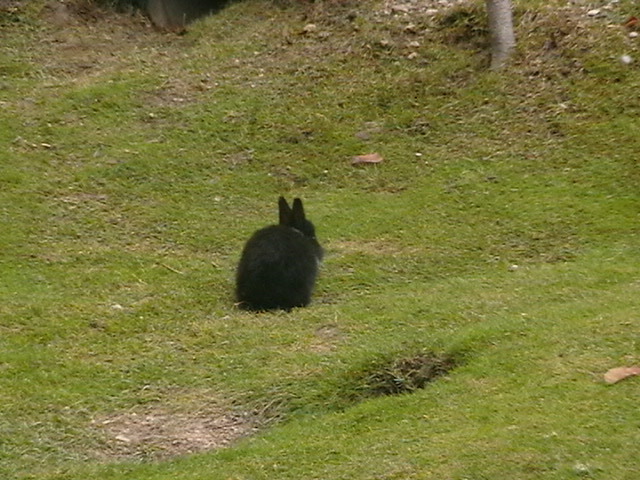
<point x="176" y="14"/>
<point x="501" y="28"/>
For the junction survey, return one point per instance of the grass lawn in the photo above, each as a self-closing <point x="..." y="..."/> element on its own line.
<point x="477" y="284"/>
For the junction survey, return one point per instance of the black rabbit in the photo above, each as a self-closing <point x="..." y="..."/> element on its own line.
<point x="279" y="263"/>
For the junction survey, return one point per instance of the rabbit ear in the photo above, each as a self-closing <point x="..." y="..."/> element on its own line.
<point x="285" y="213"/>
<point x="298" y="211"/>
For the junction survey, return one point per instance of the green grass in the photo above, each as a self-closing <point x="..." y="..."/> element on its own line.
<point x="501" y="231"/>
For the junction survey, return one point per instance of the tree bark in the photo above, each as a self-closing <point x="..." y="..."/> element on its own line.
<point x="503" y="39"/>
<point x="176" y="14"/>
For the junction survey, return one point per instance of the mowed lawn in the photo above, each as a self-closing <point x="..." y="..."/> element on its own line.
<point x="477" y="283"/>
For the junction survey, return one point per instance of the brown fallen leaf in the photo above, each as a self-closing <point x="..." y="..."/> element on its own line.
<point x="620" y="373"/>
<point x="366" y="159"/>
<point x="632" y="22"/>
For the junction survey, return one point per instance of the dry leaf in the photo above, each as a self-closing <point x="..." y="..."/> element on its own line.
<point x="616" y="374"/>
<point x="632" y="22"/>
<point x="368" y="158"/>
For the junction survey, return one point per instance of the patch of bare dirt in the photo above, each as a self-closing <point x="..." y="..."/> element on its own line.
<point x="65" y="13"/>
<point x="83" y="40"/>
<point x="327" y="338"/>
<point x="373" y="247"/>
<point x="413" y="7"/>
<point x="157" y="433"/>
<point x="9" y="5"/>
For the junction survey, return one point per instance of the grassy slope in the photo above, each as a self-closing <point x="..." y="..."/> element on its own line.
<point x="129" y="184"/>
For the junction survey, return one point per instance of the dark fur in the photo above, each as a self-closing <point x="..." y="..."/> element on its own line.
<point x="279" y="263"/>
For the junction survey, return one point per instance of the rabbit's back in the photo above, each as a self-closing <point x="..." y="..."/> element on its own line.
<point x="277" y="269"/>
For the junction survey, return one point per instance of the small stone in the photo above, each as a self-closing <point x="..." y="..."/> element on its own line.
<point x="513" y="268"/>
<point x="594" y="13"/>
<point x="400" y="8"/>
<point x="309" y="28"/>
<point x="411" y="28"/>
<point x="633" y="34"/>
<point x="626" y="59"/>
<point x="581" y="469"/>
